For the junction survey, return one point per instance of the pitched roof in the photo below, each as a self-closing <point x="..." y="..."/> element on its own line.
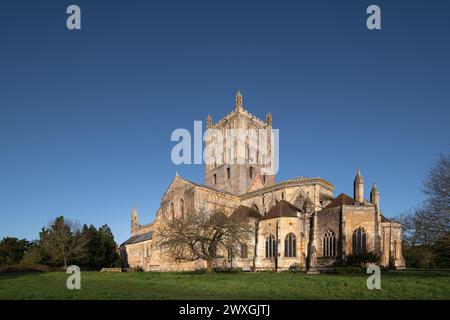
<point x="257" y="183"/>
<point x="282" y="209"/>
<point x="246" y="212"/>
<point x="341" y="200"/>
<point x="139" y="238"/>
<point x="289" y="182"/>
<point x="196" y="185"/>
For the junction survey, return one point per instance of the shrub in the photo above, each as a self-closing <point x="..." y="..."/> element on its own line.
<point x="25" y="268"/>
<point x="363" y="259"/>
<point x="294" y="267"/>
<point x="350" y="270"/>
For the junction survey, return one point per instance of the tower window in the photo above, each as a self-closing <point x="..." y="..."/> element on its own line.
<point x="264" y="178"/>
<point x="215" y="178"/>
<point x="251" y="172"/>
<point x="228" y="173"/>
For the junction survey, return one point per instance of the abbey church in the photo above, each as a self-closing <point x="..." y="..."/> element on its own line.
<point x="299" y="222"/>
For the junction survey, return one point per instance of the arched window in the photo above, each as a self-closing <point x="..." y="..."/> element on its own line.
<point x="172" y="211"/>
<point x="230" y="254"/>
<point x="270" y="246"/>
<point x="395" y="250"/>
<point x="244" y="251"/>
<point x="290" y="245"/>
<point x="264" y="178"/>
<point x="182" y="208"/>
<point x="282" y="196"/>
<point x="329" y="244"/>
<point x="215" y="178"/>
<point x="359" y="241"/>
<point x="228" y="173"/>
<point x="251" y="172"/>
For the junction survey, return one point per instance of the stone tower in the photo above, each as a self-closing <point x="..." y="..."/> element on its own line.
<point x="242" y="152"/>
<point x="134" y="220"/>
<point x="375" y="196"/>
<point x="358" y="187"/>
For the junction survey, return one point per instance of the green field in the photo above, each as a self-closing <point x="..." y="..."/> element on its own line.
<point x="265" y="285"/>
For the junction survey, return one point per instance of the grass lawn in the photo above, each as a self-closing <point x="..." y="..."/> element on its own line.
<point x="265" y="285"/>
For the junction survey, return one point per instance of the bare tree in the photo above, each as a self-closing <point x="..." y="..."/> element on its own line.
<point x="64" y="240"/>
<point x="430" y="221"/>
<point x="201" y="234"/>
<point x="437" y="188"/>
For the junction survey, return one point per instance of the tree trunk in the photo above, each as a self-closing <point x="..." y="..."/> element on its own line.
<point x="209" y="266"/>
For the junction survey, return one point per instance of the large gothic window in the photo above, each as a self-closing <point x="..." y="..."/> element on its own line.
<point x="270" y="246"/>
<point x="299" y="201"/>
<point x="290" y="245"/>
<point x="329" y="244"/>
<point x="359" y="241"/>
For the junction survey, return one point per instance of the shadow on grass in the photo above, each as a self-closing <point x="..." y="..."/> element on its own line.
<point x="15" y="275"/>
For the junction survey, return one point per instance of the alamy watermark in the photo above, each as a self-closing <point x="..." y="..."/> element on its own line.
<point x="374" y="281"/>
<point x="74" y="280"/>
<point x="73" y="21"/>
<point x="229" y="146"/>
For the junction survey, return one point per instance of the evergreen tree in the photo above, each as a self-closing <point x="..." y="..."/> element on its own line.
<point x="12" y="250"/>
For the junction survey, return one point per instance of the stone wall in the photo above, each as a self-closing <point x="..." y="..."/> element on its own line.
<point x="356" y="216"/>
<point x="298" y="226"/>
<point x="328" y="219"/>
<point x="391" y="245"/>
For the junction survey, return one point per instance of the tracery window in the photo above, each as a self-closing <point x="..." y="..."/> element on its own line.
<point x="329" y="244"/>
<point x="270" y="246"/>
<point x="359" y="241"/>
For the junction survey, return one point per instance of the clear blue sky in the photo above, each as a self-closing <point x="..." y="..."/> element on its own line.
<point x="86" y="116"/>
